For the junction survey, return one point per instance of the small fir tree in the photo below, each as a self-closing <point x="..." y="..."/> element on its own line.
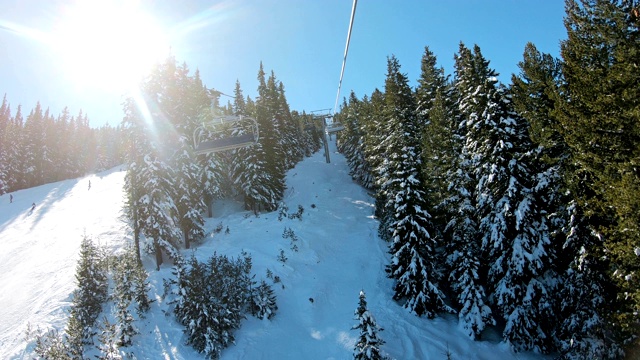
<point x="368" y="343"/>
<point x="91" y="291"/>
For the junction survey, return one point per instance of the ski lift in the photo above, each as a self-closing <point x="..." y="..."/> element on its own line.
<point x="334" y="128"/>
<point x="222" y="142"/>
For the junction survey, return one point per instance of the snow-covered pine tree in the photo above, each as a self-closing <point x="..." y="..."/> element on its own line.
<point x="463" y="255"/>
<point x="90" y="294"/>
<point x="5" y="120"/>
<point x="414" y="263"/>
<point x="583" y="311"/>
<point x="34" y="147"/>
<point x="129" y="291"/>
<point x="513" y="228"/>
<point x="263" y="301"/>
<point x="179" y="100"/>
<point x="149" y="182"/>
<point x="463" y="251"/>
<point x="369" y="342"/>
<point x="13" y="144"/>
<point x="270" y="153"/>
<point x="291" y="131"/>
<point x="107" y="341"/>
<point x="372" y="125"/>
<point x="210" y="300"/>
<point x="351" y="143"/>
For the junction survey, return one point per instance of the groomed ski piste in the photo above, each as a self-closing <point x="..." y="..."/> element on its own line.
<point x="339" y="254"/>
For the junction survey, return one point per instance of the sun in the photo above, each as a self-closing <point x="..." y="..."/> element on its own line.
<point x="108" y="44"/>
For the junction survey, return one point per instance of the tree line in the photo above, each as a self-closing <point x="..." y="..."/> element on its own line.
<point x="514" y="205"/>
<point x="44" y="148"/>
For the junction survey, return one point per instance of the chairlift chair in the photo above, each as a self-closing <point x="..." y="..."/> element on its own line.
<point x="334" y="128"/>
<point x="218" y="126"/>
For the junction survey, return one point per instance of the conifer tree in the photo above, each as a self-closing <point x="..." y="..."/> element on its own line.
<point x="268" y="153"/>
<point x="513" y="229"/>
<point x="351" y="143"/>
<point x="129" y="291"/>
<point x="5" y="122"/>
<point x="368" y="343"/>
<point x="90" y="294"/>
<point x="149" y="184"/>
<point x="16" y="158"/>
<point x="601" y="126"/>
<point x="436" y="113"/>
<point x="414" y="263"/>
<point x="263" y="301"/>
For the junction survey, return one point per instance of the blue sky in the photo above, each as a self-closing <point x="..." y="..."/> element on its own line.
<point x="302" y="41"/>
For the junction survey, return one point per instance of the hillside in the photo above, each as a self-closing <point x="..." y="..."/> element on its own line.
<point x="339" y="254"/>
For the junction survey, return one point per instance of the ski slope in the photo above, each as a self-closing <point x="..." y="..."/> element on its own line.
<point x="339" y="254"/>
<point x="40" y="249"/>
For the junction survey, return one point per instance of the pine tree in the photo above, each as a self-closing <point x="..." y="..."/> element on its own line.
<point x="263" y="301"/>
<point x="108" y="345"/>
<point x="513" y="228"/>
<point x="351" y="142"/>
<point x="35" y="149"/>
<point x="373" y="126"/>
<point x="414" y="263"/>
<point x="464" y="254"/>
<point x="16" y="157"/>
<point x="368" y="343"/>
<point x="129" y="292"/>
<point x="269" y="153"/>
<point x="91" y="291"/>
<point x="583" y="329"/>
<point x="601" y="125"/>
<point x="149" y="184"/>
<point x="436" y="112"/>
<point x="210" y="299"/>
<point x="5" y="122"/>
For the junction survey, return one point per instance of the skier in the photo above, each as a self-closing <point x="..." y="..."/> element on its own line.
<point x="89" y="185"/>
<point x="10" y="198"/>
<point x="33" y="207"/>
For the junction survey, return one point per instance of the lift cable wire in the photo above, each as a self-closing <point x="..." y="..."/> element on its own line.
<point x="346" y="50"/>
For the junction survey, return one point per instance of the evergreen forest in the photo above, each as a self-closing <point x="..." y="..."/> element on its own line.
<point x="513" y="206"/>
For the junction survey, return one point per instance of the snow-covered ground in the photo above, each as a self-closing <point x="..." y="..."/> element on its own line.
<point x="339" y="254"/>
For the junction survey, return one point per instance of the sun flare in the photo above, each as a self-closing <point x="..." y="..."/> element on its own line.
<point x="108" y="44"/>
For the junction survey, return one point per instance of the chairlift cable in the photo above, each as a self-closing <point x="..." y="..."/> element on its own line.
<point x="346" y="50"/>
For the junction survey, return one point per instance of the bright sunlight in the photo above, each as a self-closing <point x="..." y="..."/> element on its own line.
<point x="108" y="44"/>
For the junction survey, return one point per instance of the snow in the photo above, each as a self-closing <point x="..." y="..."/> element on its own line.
<point x="339" y="255"/>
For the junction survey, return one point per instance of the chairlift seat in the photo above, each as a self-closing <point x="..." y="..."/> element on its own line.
<point x="334" y="128"/>
<point x="224" y="144"/>
<point x="227" y="142"/>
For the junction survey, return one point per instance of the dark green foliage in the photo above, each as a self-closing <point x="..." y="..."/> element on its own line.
<point x="210" y="300"/>
<point x="600" y="122"/>
<point x="436" y="111"/>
